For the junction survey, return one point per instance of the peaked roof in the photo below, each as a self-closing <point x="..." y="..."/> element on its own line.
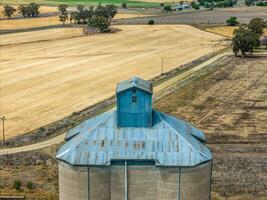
<point x="169" y="142"/>
<point x="135" y="82"/>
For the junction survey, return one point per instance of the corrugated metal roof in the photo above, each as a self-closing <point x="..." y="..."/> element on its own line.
<point x="135" y="82"/>
<point x="169" y="142"/>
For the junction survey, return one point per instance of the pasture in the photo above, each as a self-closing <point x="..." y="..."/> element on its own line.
<point x="133" y="3"/>
<point x="44" y="81"/>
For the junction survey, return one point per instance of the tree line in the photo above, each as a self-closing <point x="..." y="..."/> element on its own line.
<point x="26" y="10"/>
<point x="99" y="17"/>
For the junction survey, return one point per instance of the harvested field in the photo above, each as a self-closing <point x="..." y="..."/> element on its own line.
<point x="29" y="22"/>
<point x="45" y="81"/>
<point x="43" y="35"/>
<point x="230" y="105"/>
<point x="213" y="17"/>
<point x="47" y="21"/>
<point x="43" y="9"/>
<point x="226" y="31"/>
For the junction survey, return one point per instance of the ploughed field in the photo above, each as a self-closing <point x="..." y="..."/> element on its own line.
<point x="216" y="16"/>
<point x="44" y="81"/>
<point x="230" y="106"/>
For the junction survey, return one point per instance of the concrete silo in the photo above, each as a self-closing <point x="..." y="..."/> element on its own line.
<point x="134" y="153"/>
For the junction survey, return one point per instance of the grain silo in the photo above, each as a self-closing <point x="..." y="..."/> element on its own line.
<point x="134" y="153"/>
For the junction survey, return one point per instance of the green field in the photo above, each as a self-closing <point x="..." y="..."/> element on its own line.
<point x="85" y="2"/>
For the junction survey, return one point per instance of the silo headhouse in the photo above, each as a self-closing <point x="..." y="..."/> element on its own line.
<point x="134" y="152"/>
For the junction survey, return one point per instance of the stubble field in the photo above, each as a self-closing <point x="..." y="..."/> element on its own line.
<point x="44" y="81"/>
<point x="43" y="10"/>
<point x="227" y="31"/>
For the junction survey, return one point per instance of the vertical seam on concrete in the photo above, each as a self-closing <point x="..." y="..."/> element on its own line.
<point x="125" y="181"/>
<point x="110" y="181"/>
<point x="179" y="182"/>
<point x="88" y="180"/>
<point x="210" y="180"/>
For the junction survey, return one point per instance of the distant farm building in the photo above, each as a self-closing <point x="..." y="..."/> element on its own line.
<point x="134" y="152"/>
<point x="182" y="7"/>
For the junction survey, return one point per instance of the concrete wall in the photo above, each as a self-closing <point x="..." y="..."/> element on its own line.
<point x="143" y="183"/>
<point x="73" y="182"/>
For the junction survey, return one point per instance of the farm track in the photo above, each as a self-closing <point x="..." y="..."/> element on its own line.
<point x="157" y="89"/>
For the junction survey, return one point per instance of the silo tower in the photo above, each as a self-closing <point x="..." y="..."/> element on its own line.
<point x="134" y="152"/>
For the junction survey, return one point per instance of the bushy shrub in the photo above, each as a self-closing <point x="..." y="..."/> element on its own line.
<point x="232" y="21"/>
<point x="151" y="22"/>
<point x="167" y="8"/>
<point x="124" y="5"/>
<point x="195" y="5"/>
<point x="30" y="185"/>
<point x="8" y="11"/>
<point x="17" y="184"/>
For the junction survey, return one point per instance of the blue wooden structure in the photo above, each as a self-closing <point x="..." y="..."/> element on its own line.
<point x="134" y="103"/>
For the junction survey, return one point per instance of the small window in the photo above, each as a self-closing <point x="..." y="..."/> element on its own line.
<point x="134" y="90"/>
<point x="134" y="99"/>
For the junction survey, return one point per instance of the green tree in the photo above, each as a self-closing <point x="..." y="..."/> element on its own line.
<point x="8" y="11"/>
<point x="30" y="185"/>
<point x="102" y="17"/>
<point x="33" y="10"/>
<point x="63" y="14"/>
<point x="151" y="22"/>
<point x="195" y="5"/>
<point x="244" y="40"/>
<point x="17" y="184"/>
<point x="100" y="23"/>
<point x="124" y="5"/>
<point x="62" y="8"/>
<point x="167" y="8"/>
<point x="257" y="25"/>
<point x="232" y="21"/>
<point x="23" y="10"/>
<point x="80" y="8"/>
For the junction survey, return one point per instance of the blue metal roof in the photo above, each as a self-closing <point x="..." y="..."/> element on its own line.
<point x="135" y="82"/>
<point x="169" y="142"/>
